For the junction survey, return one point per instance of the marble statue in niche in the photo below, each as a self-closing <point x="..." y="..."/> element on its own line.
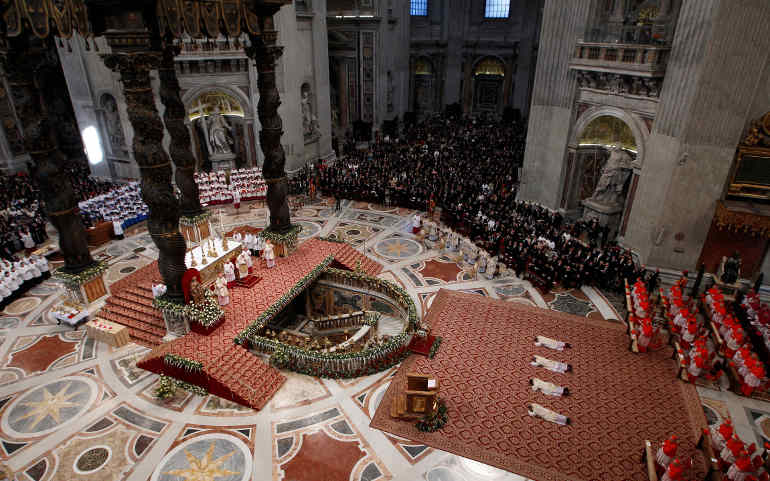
<point x="112" y="121"/>
<point x="610" y="188"/>
<point x="219" y="136"/>
<point x="309" y="119"/>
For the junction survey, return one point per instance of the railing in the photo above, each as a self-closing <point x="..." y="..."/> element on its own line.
<point x="343" y="321"/>
<point x="334" y="364"/>
<point x="645" y="59"/>
<point x="629" y="34"/>
<point x="337" y="364"/>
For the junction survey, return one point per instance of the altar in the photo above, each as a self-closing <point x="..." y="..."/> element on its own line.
<point x="213" y="264"/>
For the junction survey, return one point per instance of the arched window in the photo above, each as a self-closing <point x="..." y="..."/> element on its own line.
<point x="418" y="8"/>
<point x="497" y="8"/>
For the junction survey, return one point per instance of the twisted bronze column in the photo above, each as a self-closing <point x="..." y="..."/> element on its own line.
<point x="264" y="52"/>
<point x="23" y="64"/>
<point x="179" y="148"/>
<point x="154" y="164"/>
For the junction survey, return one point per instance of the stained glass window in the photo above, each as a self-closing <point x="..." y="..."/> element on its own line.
<point x="418" y="8"/>
<point x="495" y="8"/>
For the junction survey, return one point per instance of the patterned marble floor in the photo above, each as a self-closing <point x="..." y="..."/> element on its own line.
<point x="74" y="409"/>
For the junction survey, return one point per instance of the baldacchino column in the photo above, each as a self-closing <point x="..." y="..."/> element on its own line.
<point x="193" y="220"/>
<point x="179" y="147"/>
<point x="128" y="28"/>
<point x="264" y="52"/>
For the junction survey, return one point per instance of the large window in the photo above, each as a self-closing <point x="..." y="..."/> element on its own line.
<point x="418" y="8"/>
<point x="495" y="8"/>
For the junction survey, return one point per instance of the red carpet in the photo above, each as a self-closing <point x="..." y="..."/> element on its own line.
<point x="617" y="398"/>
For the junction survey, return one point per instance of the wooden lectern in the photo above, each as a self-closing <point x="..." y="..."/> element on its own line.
<point x="419" y="400"/>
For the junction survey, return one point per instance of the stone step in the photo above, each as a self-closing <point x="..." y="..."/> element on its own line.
<point x="126" y="318"/>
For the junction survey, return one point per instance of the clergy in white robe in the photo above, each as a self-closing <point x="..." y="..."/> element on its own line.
<point x="551" y="365"/>
<point x="542" y="341"/>
<point x="548" y="388"/>
<point x="539" y="411"/>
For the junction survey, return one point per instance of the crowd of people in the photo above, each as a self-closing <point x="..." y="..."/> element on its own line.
<point x="469" y="168"/>
<point x="22" y="224"/>
<point x="122" y="205"/>
<point x="22" y="221"/>
<point x="217" y="187"/>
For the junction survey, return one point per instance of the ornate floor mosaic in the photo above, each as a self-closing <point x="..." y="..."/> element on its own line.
<point x="75" y="409"/>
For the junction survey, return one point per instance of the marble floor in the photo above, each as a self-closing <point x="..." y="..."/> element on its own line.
<point x="75" y="409"/>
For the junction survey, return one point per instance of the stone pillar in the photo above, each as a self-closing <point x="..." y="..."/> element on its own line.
<point x="26" y="63"/>
<point x="551" y="116"/>
<point x="179" y="147"/>
<point x="468" y="84"/>
<point x="265" y="52"/>
<point x="698" y="125"/>
<point x="154" y="164"/>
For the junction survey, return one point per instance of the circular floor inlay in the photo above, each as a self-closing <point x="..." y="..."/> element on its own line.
<point x="212" y="456"/>
<point x="92" y="460"/>
<point x="22" y="306"/>
<point x="398" y="247"/>
<point x="49" y="407"/>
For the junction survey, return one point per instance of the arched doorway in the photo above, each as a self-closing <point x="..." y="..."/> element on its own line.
<point x="488" y="77"/>
<point x="219" y="133"/>
<point x="424" y="82"/>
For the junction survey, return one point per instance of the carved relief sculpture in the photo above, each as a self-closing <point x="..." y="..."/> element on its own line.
<point x="112" y="121"/>
<point x="309" y="120"/>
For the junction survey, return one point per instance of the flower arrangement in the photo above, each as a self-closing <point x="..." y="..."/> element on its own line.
<point x="76" y="280"/>
<point x="206" y="313"/>
<point x="434" y="422"/>
<point x="288" y="237"/>
<point x="183" y="363"/>
<point x="195" y="220"/>
<point x="434" y="347"/>
<point x="256" y="326"/>
<point x="166" y="388"/>
<point x="200" y="391"/>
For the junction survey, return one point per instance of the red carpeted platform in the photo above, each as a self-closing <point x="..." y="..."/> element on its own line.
<point x="229" y="370"/>
<point x="617" y="398"/>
